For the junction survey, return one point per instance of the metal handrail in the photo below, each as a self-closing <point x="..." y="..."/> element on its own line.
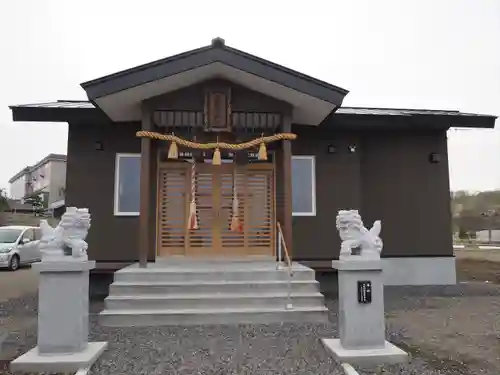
<point x="282" y="246"/>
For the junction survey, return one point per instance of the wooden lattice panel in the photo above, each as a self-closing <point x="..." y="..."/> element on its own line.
<point x="229" y="239"/>
<point x="172" y="202"/>
<point x="201" y="239"/>
<point x="214" y="203"/>
<point x="260" y="215"/>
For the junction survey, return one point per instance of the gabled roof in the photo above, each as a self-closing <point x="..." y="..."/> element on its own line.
<point x="215" y="52"/>
<point x="119" y="95"/>
<point x="49" y="112"/>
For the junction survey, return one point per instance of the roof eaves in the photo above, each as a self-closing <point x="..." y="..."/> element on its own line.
<point x="457" y="118"/>
<point x="401" y="109"/>
<point x="60" y="113"/>
<point x="82" y="104"/>
<point x="473" y="121"/>
<point x="434" y="118"/>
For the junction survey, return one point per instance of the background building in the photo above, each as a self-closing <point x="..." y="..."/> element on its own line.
<point x="46" y="178"/>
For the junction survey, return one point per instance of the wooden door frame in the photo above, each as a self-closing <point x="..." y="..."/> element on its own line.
<point x="246" y="168"/>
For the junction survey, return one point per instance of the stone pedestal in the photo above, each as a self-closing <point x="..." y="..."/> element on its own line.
<point x="63" y="321"/>
<point x="361" y="315"/>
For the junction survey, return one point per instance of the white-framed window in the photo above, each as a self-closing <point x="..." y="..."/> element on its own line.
<point x="127" y="184"/>
<point x="304" y="185"/>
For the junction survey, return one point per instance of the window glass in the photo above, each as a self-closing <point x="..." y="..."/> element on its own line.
<point x="38" y="234"/>
<point x="8" y="235"/>
<point x="303" y="186"/>
<point x="127" y="189"/>
<point x="29" y="234"/>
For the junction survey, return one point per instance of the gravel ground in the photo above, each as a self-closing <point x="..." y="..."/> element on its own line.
<point x="447" y="330"/>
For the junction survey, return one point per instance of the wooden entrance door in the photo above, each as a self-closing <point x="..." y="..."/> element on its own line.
<point x="214" y="200"/>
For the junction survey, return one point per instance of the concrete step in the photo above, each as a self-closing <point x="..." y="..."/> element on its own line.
<point x="177" y="260"/>
<point x="128" y="288"/>
<point x="212" y="301"/>
<point x="174" y="274"/>
<point x="136" y="318"/>
<point x="177" y="291"/>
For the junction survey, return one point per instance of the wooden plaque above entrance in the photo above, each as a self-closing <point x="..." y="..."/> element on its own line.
<point x="218" y="109"/>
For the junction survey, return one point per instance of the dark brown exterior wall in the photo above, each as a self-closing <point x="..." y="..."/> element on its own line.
<point x="407" y="192"/>
<point x="337" y="187"/>
<point x="390" y="178"/>
<point x="90" y="179"/>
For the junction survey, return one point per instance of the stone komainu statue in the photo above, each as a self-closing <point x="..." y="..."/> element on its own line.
<point x="68" y="236"/>
<point x="354" y="235"/>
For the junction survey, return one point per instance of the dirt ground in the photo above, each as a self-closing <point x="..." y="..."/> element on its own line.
<point x="16" y="284"/>
<point x="480" y="254"/>
<point x="478" y="265"/>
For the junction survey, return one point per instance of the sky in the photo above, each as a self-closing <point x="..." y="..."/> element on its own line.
<point x="388" y="53"/>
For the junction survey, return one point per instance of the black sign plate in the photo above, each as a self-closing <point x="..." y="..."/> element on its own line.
<point x="364" y="291"/>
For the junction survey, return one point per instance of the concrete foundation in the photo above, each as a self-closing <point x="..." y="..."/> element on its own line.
<point x="388" y="354"/>
<point x="33" y="361"/>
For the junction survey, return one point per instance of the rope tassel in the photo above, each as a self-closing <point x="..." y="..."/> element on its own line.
<point x="193" y="219"/>
<point x="216" y="160"/>
<point x="262" y="155"/>
<point x="173" y="152"/>
<point x="262" y="151"/>
<point x="236" y="225"/>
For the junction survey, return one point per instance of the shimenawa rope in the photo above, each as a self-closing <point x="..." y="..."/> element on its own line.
<point x="214" y="145"/>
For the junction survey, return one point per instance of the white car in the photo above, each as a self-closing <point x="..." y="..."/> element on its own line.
<point x="19" y="246"/>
